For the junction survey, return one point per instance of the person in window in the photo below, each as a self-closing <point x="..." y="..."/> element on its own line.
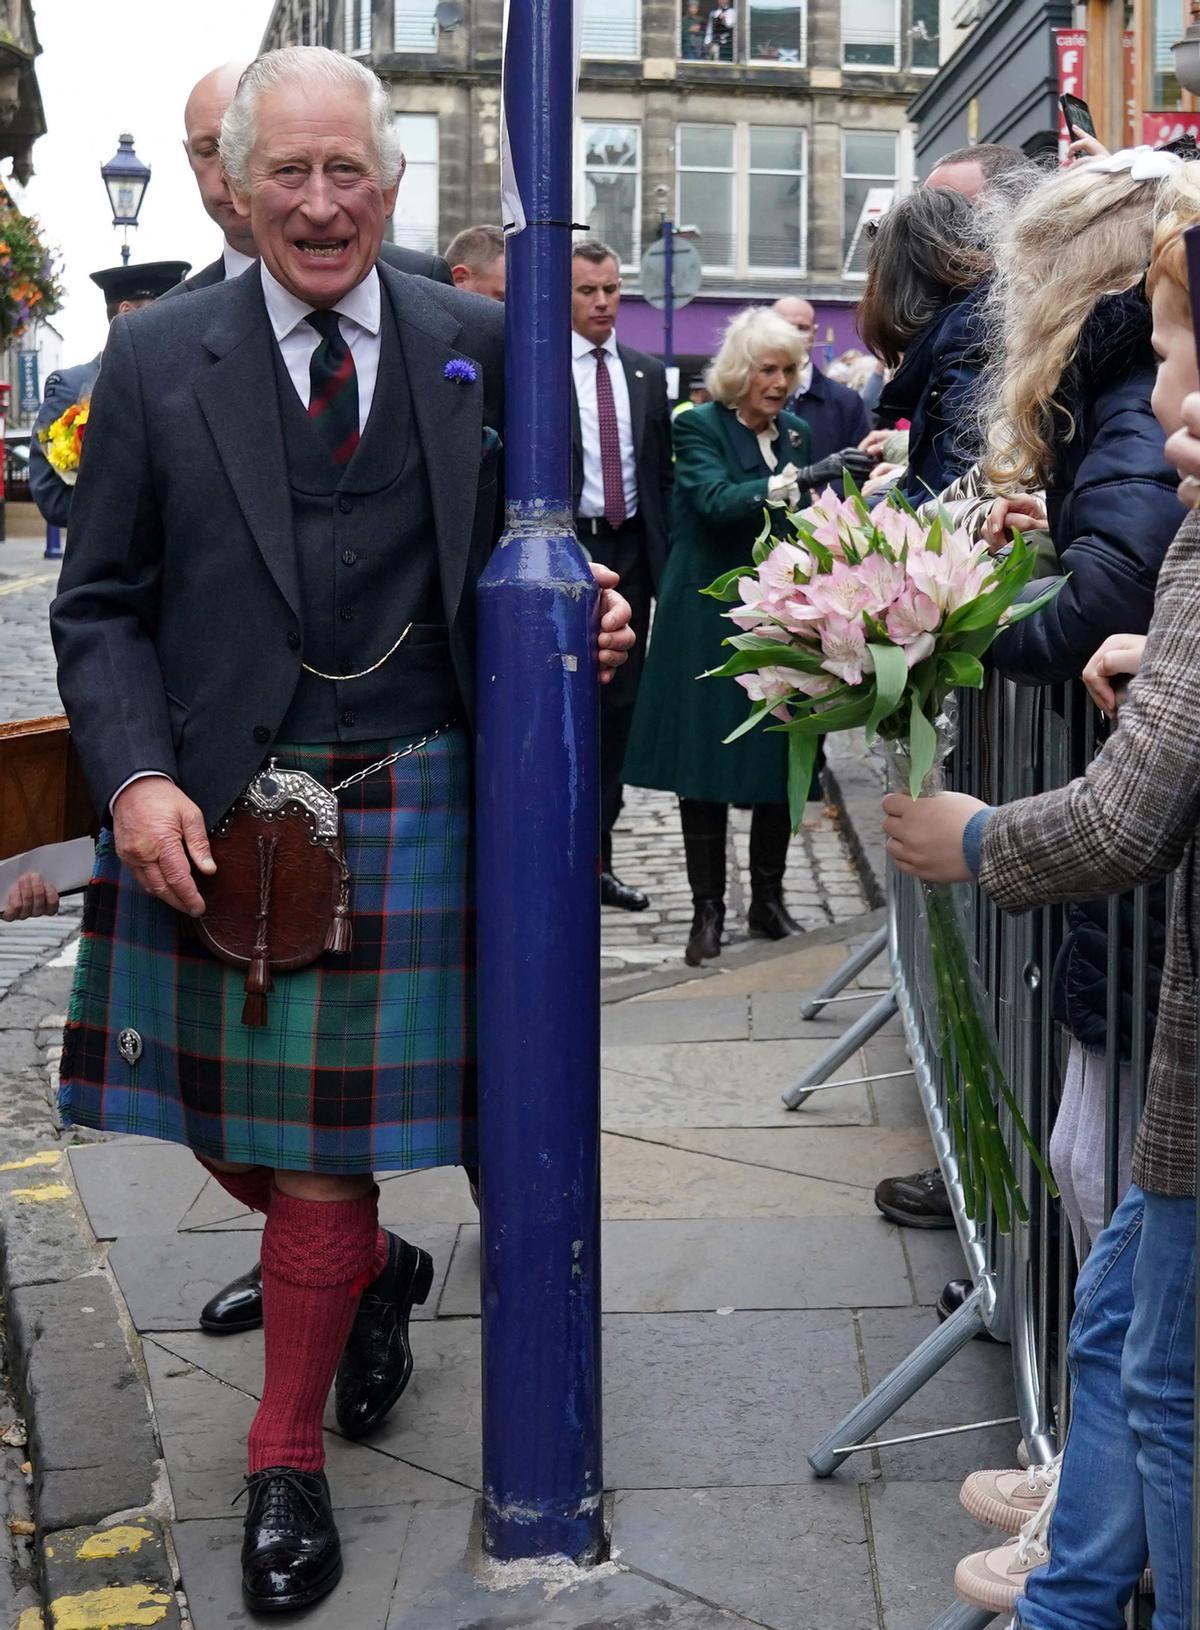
<point x="691" y="40"/>
<point x="718" y="34"/>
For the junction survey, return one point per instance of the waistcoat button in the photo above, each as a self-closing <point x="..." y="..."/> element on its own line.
<point x="345" y="505"/>
<point x="294" y="640"/>
<point x="348" y="557"/>
<point x="347" y="716"/>
<point x="347" y="614"/>
<point x="261" y="734"/>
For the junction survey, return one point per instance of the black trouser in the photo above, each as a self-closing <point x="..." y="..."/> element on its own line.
<point x="625" y="551"/>
<point x="704" y="846"/>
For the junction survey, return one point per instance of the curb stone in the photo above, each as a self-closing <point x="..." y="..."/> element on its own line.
<point x="103" y="1578"/>
<point x="854" y="782"/>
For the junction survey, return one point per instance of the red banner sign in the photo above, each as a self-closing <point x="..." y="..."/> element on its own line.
<point x="1160" y="127"/>
<point x="1070" y="46"/>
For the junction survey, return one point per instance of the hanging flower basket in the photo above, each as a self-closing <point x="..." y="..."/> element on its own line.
<point x="30" y="283"/>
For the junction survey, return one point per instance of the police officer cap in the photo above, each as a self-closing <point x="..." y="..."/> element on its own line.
<point x="141" y="282"/>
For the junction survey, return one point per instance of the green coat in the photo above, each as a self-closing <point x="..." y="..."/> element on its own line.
<point x="681" y="721"/>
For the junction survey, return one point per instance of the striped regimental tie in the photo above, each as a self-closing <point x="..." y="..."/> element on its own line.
<point x="333" y="388"/>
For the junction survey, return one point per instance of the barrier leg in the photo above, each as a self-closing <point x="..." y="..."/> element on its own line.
<point x="850" y="969"/>
<point x="832" y="1059"/>
<point x="907" y="1378"/>
<point x="962" y="1616"/>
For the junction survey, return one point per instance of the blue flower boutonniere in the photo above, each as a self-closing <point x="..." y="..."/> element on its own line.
<point x="460" y="372"/>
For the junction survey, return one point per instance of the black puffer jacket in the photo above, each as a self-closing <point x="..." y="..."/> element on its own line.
<point x="1113" y="514"/>
<point x="934" y="388"/>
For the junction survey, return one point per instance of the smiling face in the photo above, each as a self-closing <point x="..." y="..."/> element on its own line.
<point x="316" y="204"/>
<point x="771" y="383"/>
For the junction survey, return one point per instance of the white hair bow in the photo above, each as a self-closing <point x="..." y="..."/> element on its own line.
<point x="1143" y="163"/>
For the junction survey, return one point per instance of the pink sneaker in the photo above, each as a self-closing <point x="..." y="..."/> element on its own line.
<point x="995" y="1579"/>
<point x="1007" y="1499"/>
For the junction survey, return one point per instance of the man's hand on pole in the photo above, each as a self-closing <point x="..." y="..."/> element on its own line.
<point x="160" y="835"/>
<point x="617" y="639"/>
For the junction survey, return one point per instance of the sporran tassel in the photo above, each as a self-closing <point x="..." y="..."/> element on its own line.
<point x="340" y="937"/>
<point x="258" y="976"/>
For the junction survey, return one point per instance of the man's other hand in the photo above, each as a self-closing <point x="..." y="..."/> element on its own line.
<point x="30" y="896"/>
<point x="160" y="835"/>
<point x="617" y="639"/>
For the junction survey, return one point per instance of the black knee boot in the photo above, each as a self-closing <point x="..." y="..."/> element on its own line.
<point x="770" y="830"/>
<point x="704" y="847"/>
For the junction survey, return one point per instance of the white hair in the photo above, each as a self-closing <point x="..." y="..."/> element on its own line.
<point x="747" y="339"/>
<point x="311" y="65"/>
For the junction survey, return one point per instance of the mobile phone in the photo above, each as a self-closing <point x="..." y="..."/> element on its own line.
<point x="1078" y="115"/>
<point x="1191" y="246"/>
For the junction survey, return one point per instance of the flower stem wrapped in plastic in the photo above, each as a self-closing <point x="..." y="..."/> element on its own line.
<point x="872" y="618"/>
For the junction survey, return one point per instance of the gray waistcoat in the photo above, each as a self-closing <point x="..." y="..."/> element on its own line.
<point x="368" y="565"/>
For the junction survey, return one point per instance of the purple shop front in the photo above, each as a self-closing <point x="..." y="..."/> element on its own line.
<point x="699" y="326"/>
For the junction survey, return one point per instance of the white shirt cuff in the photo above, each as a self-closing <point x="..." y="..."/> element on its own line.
<point x="140" y="776"/>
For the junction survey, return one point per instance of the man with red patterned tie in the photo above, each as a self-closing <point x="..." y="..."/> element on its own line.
<point x="621" y="483"/>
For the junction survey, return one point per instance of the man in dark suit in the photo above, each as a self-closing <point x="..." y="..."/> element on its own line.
<point x="622" y="475"/>
<point x="125" y="288"/>
<point x="836" y="416"/>
<point x="202" y="115"/>
<point x="286" y="471"/>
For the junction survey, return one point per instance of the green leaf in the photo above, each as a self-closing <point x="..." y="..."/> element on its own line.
<point x="726" y="586"/>
<point x="764" y="542"/>
<point x="802" y="757"/>
<point x="768" y="656"/>
<point x="758" y="713"/>
<point x="891" y="676"/>
<point x="1029" y="608"/>
<point x="922" y="747"/>
<point x="843" y="717"/>
<point x="959" y="669"/>
<point x="933" y="538"/>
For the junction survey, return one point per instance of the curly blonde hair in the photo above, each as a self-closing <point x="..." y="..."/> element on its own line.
<point x="1179" y="208"/>
<point x="746" y="340"/>
<point x="1081" y="235"/>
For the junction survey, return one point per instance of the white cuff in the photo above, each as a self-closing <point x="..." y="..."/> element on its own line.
<point x="140" y="776"/>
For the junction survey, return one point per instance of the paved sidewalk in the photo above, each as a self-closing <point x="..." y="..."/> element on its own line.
<point x="750" y="1291"/>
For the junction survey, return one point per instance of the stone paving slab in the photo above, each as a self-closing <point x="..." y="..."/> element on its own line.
<point x="117" y="1577"/>
<point x="644" y="1177"/>
<point x="920" y="1532"/>
<point x="792" y="965"/>
<point x="720" y="1084"/>
<point x="167" y="1278"/>
<point x="790" y="1556"/>
<point x="858" y="1155"/>
<point x="689" y="1265"/>
<point x="208" y="1466"/>
<point x="934" y="1256"/>
<point x="135" y="1188"/>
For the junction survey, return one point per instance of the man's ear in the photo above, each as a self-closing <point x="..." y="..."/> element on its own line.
<point x="240" y="201"/>
<point x="389" y="193"/>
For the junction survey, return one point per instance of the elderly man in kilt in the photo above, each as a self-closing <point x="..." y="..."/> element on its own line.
<point x="289" y="492"/>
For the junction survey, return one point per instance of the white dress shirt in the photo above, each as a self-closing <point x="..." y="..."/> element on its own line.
<point x="235" y="262"/>
<point x="584" y="366"/>
<point x="358" y="319"/>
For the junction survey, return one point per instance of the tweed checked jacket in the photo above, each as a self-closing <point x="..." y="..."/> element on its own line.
<point x="1134" y="817"/>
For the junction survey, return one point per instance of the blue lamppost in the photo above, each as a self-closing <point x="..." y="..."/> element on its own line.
<point x="538" y="845"/>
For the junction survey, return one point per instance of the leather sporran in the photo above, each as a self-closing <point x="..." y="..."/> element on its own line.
<point x="280" y="897"/>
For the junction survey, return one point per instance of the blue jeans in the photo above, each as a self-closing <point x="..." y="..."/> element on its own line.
<point x="1125" y="1491"/>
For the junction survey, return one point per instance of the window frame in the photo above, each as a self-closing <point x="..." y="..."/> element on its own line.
<point x="914" y="67"/>
<point x="771" y="62"/>
<point x="746" y="266"/>
<point x="882" y="180"/>
<point x="359" y="11"/>
<point x="412" y="167"/>
<point x="582" y="124"/>
<point x="694" y="169"/>
<point x="414" y="50"/>
<point x="897" y="64"/>
<point x="613" y="56"/>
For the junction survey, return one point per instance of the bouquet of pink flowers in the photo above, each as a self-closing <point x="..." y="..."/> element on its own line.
<point x="873" y="617"/>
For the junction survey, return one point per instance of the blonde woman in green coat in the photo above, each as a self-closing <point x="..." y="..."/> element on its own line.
<point x="734" y="456"/>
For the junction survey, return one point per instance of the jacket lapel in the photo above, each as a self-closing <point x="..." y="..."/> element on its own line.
<point x="239" y="401"/>
<point x="449" y="420"/>
<point x="636" y="381"/>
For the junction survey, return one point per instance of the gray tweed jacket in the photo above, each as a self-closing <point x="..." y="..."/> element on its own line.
<point x="1131" y="818"/>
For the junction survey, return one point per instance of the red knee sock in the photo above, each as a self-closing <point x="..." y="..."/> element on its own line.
<point x="317" y="1258"/>
<point x="251" y="1188"/>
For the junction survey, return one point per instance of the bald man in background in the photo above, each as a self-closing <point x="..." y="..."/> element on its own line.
<point x="836" y="416"/>
<point x="202" y="115"/>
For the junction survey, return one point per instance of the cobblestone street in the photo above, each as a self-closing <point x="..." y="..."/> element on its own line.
<point x="822" y="884"/>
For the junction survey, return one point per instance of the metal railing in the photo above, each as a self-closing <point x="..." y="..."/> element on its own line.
<point x="1013" y="742"/>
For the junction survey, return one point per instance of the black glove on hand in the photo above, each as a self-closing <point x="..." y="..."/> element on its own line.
<point x="848" y="461"/>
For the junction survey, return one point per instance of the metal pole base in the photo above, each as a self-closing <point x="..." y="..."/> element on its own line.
<point x="859" y="1033"/>
<point x="850" y="969"/>
<point x="54" y="547"/>
<point x="896" y="1389"/>
<point x="962" y="1616"/>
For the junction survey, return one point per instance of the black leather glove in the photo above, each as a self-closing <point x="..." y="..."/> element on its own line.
<point x="848" y="461"/>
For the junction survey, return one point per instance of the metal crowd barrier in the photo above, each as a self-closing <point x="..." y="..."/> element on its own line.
<point x="1013" y="742"/>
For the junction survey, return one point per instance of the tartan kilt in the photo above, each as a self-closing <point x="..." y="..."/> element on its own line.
<point x="367" y="1060"/>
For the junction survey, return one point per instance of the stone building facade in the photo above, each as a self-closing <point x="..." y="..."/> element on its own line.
<point x="764" y="124"/>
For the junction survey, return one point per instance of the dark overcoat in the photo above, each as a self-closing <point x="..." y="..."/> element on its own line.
<point x="681" y="721"/>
